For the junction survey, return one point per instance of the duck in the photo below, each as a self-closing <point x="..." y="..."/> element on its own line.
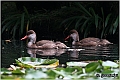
<point x="90" y="41"/>
<point x="42" y="44"/>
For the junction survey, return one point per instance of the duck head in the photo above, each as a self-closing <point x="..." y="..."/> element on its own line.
<point x="74" y="35"/>
<point x="31" y="35"/>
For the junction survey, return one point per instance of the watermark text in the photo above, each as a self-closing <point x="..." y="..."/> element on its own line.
<point x="107" y="75"/>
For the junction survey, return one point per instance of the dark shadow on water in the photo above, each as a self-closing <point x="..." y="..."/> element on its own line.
<point x="16" y="49"/>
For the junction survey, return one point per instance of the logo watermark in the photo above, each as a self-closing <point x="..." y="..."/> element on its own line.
<point x="106" y="75"/>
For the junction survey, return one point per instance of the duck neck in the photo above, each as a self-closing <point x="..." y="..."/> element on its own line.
<point x="31" y="43"/>
<point x="75" y="37"/>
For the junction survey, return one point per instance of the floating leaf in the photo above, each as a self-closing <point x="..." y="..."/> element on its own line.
<point x="5" y="71"/>
<point x="110" y="64"/>
<point x="18" y="72"/>
<point x="107" y="72"/>
<point x="30" y="62"/>
<point x="35" y="74"/>
<point x="23" y="64"/>
<point x="91" y="67"/>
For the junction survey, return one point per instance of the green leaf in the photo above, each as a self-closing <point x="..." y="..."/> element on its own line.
<point x="102" y="13"/>
<point x="82" y="8"/>
<point x="51" y="74"/>
<point x="22" y="23"/>
<point x="18" y="72"/>
<point x="15" y="28"/>
<point x="84" y="24"/>
<point x="110" y="64"/>
<point x="69" y="19"/>
<point x="10" y="18"/>
<point x="68" y="24"/>
<point x="96" y="20"/>
<point x="5" y="71"/>
<point x="35" y="74"/>
<point x="91" y="67"/>
<point x="102" y="33"/>
<point x="48" y="61"/>
<point x="107" y="72"/>
<point x="107" y="19"/>
<point x="92" y="11"/>
<point x="23" y="64"/>
<point x="87" y="30"/>
<point x="115" y="25"/>
<point x="7" y="25"/>
<point x="26" y="11"/>
<point x="29" y="62"/>
<point x="78" y="23"/>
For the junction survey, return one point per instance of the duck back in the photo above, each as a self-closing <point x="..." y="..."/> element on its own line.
<point x="90" y="39"/>
<point x="40" y="43"/>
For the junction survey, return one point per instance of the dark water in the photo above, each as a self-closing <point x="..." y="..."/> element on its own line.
<point x="16" y="49"/>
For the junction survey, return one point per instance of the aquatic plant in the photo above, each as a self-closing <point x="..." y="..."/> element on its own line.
<point x="93" y="70"/>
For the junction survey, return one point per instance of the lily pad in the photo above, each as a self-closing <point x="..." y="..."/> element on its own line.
<point x="29" y="62"/>
<point x="91" y="67"/>
<point x="110" y="64"/>
<point x="107" y="72"/>
<point x="82" y="64"/>
<point x="5" y="71"/>
<point x="69" y="72"/>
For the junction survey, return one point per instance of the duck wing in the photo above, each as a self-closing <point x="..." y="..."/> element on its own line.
<point x="90" y="39"/>
<point x="40" y="43"/>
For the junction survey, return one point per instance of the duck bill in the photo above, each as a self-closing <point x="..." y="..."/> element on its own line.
<point x="25" y="37"/>
<point x="67" y="37"/>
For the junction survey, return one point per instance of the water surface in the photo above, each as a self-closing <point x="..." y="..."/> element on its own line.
<point x="16" y="49"/>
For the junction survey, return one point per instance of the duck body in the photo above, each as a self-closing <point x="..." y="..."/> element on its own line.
<point x="90" y="41"/>
<point x="39" y="43"/>
<point x="43" y="44"/>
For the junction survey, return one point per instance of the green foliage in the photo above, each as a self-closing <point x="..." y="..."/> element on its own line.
<point x="93" y="70"/>
<point x="91" y="67"/>
<point x="15" y="23"/>
<point x="29" y="62"/>
<point x="88" y="20"/>
<point x="76" y="16"/>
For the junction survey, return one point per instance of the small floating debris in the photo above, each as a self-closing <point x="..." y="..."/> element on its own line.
<point x="67" y="47"/>
<point x="75" y="49"/>
<point x="66" y="41"/>
<point x="8" y="41"/>
<point x="3" y="48"/>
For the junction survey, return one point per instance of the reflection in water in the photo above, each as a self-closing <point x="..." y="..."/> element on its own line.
<point x="45" y="52"/>
<point x="109" y="52"/>
<point x="16" y="49"/>
<point x="74" y="55"/>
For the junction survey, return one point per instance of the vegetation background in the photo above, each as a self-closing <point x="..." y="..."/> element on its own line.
<point x="54" y="19"/>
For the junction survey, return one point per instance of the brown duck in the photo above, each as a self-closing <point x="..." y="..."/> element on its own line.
<point x="43" y="44"/>
<point x="90" y="41"/>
